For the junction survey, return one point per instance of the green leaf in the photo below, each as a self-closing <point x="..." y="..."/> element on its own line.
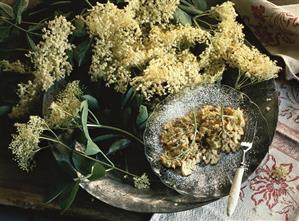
<point x="127" y="97"/>
<point x="31" y="42"/>
<point x="4" y="33"/>
<point x="69" y="195"/>
<point x="70" y="55"/>
<point x="105" y="137"/>
<point x="63" y="159"/>
<point x="182" y="17"/>
<point x="67" y="169"/>
<point x="92" y="101"/>
<point x="6" y="10"/>
<point x="142" y="117"/>
<point x="38" y="26"/>
<point x="82" y="164"/>
<point x="80" y="30"/>
<point x="21" y="6"/>
<point x="200" y="4"/>
<point x="98" y="171"/>
<point x="127" y="116"/>
<point x="4" y="110"/>
<point x="118" y="145"/>
<point x="81" y="51"/>
<point x="91" y="147"/>
<point x="56" y="192"/>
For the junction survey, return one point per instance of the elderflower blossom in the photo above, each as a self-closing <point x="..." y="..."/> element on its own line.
<point x="29" y="95"/>
<point x="141" y="182"/>
<point x="50" y="58"/>
<point x="279" y="172"/>
<point x="178" y="71"/>
<point x="224" y="12"/>
<point x="66" y="106"/>
<point x="252" y="63"/>
<point x="15" y="66"/>
<point x="50" y="63"/>
<point x="228" y="45"/>
<point x="24" y="144"/>
<point x="139" y="47"/>
<point x="178" y="36"/>
<point x="153" y="11"/>
<point x="116" y="49"/>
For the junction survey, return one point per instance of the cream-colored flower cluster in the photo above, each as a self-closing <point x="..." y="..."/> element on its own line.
<point x="66" y="106"/>
<point x="25" y="143"/>
<point x="50" y="64"/>
<point x="161" y="54"/>
<point x="153" y="11"/>
<point x="228" y="44"/>
<point x="279" y="172"/>
<point x="141" y="182"/>
<point x="116" y="48"/>
<point x="139" y="46"/>
<point x="15" y="66"/>
<point x="28" y="94"/>
<point x="50" y="56"/>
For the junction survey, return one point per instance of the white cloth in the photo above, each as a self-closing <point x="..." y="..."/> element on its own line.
<point x="276" y="24"/>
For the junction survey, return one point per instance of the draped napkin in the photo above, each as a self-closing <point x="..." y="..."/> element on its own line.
<point x="276" y="24"/>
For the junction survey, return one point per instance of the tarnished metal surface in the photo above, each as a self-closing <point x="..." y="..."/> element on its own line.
<point x="163" y="199"/>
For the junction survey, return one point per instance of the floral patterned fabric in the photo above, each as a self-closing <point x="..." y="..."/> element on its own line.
<point x="264" y="197"/>
<point x="276" y="24"/>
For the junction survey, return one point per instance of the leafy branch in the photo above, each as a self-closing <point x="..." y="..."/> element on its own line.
<point x="86" y="164"/>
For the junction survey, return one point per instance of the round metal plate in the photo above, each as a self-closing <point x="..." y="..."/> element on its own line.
<point x="160" y="198"/>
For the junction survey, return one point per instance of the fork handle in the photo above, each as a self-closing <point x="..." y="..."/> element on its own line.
<point x="235" y="191"/>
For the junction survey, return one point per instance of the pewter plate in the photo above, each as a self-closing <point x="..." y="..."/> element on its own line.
<point x="206" y="181"/>
<point x="160" y="198"/>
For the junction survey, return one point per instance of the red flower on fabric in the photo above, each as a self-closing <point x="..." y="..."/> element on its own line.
<point x="268" y="189"/>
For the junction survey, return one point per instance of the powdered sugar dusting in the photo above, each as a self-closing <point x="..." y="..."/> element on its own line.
<point x="207" y="181"/>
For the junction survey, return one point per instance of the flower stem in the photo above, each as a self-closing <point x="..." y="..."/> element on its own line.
<point x="88" y="157"/>
<point x="20" y="28"/>
<point x="118" y="130"/>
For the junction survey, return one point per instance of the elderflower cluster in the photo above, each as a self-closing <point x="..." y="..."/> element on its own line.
<point x="25" y="143"/>
<point x="279" y="172"/>
<point x="228" y="45"/>
<point x="122" y="45"/>
<point x="141" y="182"/>
<point x="50" y="58"/>
<point x="29" y="95"/>
<point x="15" y="66"/>
<point x="116" y="48"/>
<point x="50" y="64"/>
<point x="138" y="46"/>
<point x="177" y="70"/>
<point x="175" y="36"/>
<point x="153" y="11"/>
<point x="66" y="106"/>
<point x="252" y="63"/>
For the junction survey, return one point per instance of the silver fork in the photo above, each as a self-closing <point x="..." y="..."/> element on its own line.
<point x="246" y="145"/>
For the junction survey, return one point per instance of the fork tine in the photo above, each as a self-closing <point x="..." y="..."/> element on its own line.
<point x="250" y="133"/>
<point x="246" y="132"/>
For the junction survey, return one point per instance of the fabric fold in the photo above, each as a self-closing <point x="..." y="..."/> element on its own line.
<point x="276" y="24"/>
